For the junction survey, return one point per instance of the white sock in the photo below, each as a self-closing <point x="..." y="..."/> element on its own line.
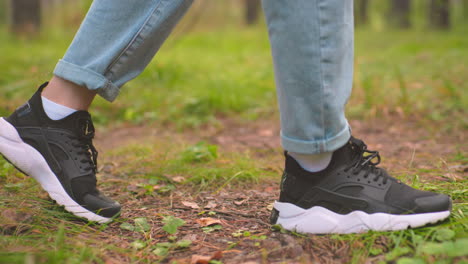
<point x="56" y="111"/>
<point x="312" y="162"/>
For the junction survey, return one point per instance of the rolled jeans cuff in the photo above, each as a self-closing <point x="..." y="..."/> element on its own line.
<point x="88" y="78"/>
<point x="319" y="146"/>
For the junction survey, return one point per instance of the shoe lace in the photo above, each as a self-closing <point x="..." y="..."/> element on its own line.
<point x="86" y="149"/>
<point x="364" y="160"/>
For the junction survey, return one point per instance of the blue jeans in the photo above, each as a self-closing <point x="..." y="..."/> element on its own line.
<point x="311" y="42"/>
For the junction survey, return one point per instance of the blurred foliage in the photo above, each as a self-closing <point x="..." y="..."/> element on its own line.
<point x="221" y="13"/>
<point x="3" y="12"/>
<point x="416" y="71"/>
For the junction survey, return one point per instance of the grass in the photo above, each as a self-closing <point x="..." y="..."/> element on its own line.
<point x="406" y="70"/>
<point x="201" y="164"/>
<point x="200" y="76"/>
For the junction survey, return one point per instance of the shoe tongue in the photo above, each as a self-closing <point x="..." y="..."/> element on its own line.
<point x="344" y="155"/>
<point x="79" y="122"/>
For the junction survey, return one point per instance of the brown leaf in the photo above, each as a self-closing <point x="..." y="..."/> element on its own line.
<point x="132" y="188"/>
<point x="157" y="187"/>
<point x="12" y="221"/>
<point x="270" y="206"/>
<point x="265" y="132"/>
<point x="210" y="205"/>
<point x="217" y="255"/>
<point x="111" y="261"/>
<point x="207" y="221"/>
<point x="191" y="237"/>
<point x="459" y="168"/>
<point x="199" y="259"/>
<point x="191" y="205"/>
<point x="241" y="201"/>
<point x="178" y="179"/>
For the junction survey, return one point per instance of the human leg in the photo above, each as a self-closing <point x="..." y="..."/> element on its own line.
<point x="69" y="94"/>
<point x="104" y="56"/>
<point x="116" y="41"/>
<point x="312" y="47"/>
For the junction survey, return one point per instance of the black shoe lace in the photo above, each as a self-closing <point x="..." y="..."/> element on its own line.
<point x="364" y="161"/>
<point x="86" y="149"/>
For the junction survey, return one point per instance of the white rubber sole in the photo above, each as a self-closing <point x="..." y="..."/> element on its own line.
<point x="319" y="220"/>
<point x="31" y="162"/>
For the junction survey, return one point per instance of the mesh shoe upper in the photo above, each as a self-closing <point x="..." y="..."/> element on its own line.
<point x="351" y="182"/>
<point x="67" y="147"/>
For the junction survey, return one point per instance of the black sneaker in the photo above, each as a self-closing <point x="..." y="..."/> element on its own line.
<point x="352" y="195"/>
<point x="59" y="155"/>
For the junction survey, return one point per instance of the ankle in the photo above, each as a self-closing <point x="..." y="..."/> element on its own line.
<point x="312" y="162"/>
<point x="68" y="94"/>
<point x="56" y="111"/>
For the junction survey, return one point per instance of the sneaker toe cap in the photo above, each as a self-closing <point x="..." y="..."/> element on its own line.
<point x="433" y="203"/>
<point x="101" y="205"/>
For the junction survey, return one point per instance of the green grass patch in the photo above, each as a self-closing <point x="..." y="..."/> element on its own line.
<point x="201" y="165"/>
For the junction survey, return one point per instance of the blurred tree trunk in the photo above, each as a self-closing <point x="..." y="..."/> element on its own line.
<point x="361" y="8"/>
<point x="25" y="16"/>
<point x="252" y="11"/>
<point x="464" y="4"/>
<point x="400" y="13"/>
<point x="3" y="12"/>
<point x="439" y="14"/>
<point x="465" y="9"/>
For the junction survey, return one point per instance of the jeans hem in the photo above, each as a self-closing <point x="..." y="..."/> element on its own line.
<point x="318" y="146"/>
<point x="88" y="78"/>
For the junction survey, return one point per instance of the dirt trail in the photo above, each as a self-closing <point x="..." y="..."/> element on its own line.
<point x="403" y="143"/>
<point x="405" y="146"/>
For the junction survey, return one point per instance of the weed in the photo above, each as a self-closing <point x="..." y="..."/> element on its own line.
<point x="200" y="152"/>
<point x="171" y="224"/>
<point x="140" y="224"/>
<point x="212" y="228"/>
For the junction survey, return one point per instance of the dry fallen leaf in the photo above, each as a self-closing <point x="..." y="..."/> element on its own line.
<point x="207" y="221"/>
<point x="14" y="221"/>
<point x="270" y="206"/>
<point x="210" y="205"/>
<point x="191" y="205"/>
<point x="241" y="201"/>
<point x="459" y="167"/>
<point x="191" y="237"/>
<point x="265" y="133"/>
<point x="217" y="255"/>
<point x="199" y="259"/>
<point x="178" y="179"/>
<point x="133" y="188"/>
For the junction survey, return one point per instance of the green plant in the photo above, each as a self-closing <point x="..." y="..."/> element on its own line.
<point x="171" y="224"/>
<point x="200" y="152"/>
<point x="140" y="224"/>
